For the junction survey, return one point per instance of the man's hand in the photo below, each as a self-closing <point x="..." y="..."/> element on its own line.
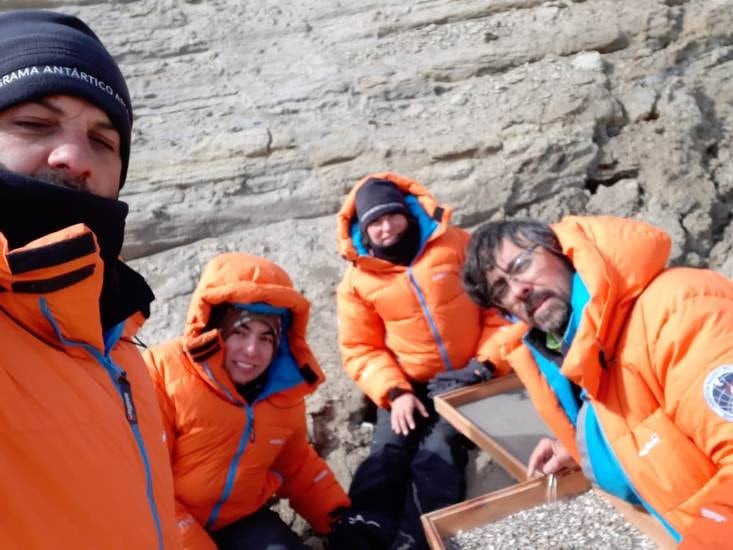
<point x="548" y="457"/>
<point x="473" y="373"/>
<point x="403" y="410"/>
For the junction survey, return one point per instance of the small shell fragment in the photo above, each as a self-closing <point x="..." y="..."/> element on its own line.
<point x="551" y="491"/>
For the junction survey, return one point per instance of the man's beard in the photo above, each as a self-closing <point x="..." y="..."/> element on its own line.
<point x="55" y="177"/>
<point x="61" y="178"/>
<point x="554" y="315"/>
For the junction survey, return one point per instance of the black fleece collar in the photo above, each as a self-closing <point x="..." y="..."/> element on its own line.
<point x="31" y="209"/>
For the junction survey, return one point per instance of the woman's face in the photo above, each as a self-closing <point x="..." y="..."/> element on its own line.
<point x="386" y="230"/>
<point x="249" y="350"/>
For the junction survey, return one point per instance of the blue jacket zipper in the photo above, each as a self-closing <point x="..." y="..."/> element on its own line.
<point x="247" y="435"/>
<point x="431" y="322"/>
<point x="119" y="379"/>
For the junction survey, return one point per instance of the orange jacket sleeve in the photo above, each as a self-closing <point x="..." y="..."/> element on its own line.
<point x="193" y="535"/>
<point x="496" y="340"/>
<point x="308" y="482"/>
<point x="714" y="527"/>
<point x="693" y="353"/>
<point x="167" y="409"/>
<point x="365" y="357"/>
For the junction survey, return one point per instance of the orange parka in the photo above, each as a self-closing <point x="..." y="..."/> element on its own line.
<point x="82" y="447"/>
<point x="407" y="323"/>
<point x="651" y="348"/>
<point x="230" y="457"/>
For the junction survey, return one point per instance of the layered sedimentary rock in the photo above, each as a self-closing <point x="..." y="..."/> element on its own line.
<point x="252" y="119"/>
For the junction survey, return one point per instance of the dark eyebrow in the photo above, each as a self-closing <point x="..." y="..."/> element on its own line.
<point x="104" y="125"/>
<point x="44" y="102"/>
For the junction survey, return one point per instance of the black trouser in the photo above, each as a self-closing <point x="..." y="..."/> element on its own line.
<point x="406" y="476"/>
<point x="263" y="530"/>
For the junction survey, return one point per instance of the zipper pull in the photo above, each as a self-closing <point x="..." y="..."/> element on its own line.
<point x="127" y="401"/>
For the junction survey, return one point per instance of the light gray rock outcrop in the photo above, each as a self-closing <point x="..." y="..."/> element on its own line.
<point x="254" y="118"/>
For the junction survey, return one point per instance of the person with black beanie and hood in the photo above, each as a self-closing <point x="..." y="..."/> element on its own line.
<point x="84" y="459"/>
<point x="407" y="332"/>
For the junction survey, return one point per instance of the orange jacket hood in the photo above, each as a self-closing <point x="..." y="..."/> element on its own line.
<point x="347" y="217"/>
<point x="238" y="278"/>
<point x="598" y="249"/>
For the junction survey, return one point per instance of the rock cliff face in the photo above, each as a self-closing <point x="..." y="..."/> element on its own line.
<point x="254" y="118"/>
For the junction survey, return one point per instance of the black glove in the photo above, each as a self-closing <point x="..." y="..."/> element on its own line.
<point x="336" y="515"/>
<point x="473" y="373"/>
<point x="354" y="530"/>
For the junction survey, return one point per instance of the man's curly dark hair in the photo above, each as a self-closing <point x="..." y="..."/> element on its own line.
<point x="485" y="242"/>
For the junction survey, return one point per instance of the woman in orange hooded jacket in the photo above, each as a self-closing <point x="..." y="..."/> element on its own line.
<point x="404" y="322"/>
<point x="232" y="391"/>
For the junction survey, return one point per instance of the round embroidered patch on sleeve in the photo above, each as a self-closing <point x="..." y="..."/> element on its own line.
<point x="719" y="391"/>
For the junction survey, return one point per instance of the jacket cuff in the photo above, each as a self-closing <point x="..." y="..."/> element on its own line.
<point x="394" y="393"/>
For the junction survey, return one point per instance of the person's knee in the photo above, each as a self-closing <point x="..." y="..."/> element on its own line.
<point x="385" y="437"/>
<point x="443" y="444"/>
<point x="438" y="476"/>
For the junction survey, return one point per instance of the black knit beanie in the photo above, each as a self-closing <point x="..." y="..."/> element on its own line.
<point x="46" y="53"/>
<point x="378" y="197"/>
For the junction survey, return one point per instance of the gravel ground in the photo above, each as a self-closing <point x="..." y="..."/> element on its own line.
<point x="586" y="521"/>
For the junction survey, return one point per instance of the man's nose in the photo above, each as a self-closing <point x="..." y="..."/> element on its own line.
<point x="72" y="153"/>
<point x="518" y="289"/>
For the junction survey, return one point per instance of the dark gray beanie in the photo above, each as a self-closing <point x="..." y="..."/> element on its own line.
<point x="376" y="198"/>
<point x="46" y="53"/>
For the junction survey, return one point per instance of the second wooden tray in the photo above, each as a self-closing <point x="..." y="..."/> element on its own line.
<point x="498" y="417"/>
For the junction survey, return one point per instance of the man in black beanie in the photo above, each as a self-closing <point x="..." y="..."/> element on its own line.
<point x="83" y="452"/>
